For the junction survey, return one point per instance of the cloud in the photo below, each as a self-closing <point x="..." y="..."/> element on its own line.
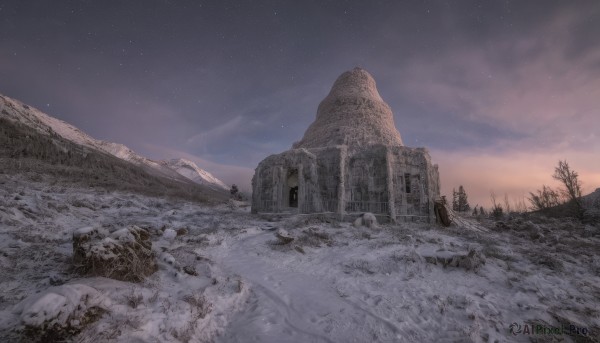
<point x="224" y="131"/>
<point x="499" y="115"/>
<point x="255" y="128"/>
<point x="538" y="94"/>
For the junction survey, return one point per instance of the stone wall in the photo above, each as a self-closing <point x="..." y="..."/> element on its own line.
<point x="351" y="160"/>
<point x="396" y="182"/>
<point x="415" y="184"/>
<point x="352" y="114"/>
<point x="277" y="174"/>
<point x="366" y="181"/>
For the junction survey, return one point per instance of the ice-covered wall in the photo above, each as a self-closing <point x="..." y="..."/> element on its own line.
<point x="351" y="160"/>
<point x="397" y="182"/>
<point x="352" y="114"/>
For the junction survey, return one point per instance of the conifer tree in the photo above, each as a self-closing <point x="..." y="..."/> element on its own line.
<point x="462" y="201"/>
<point x="454" y="200"/>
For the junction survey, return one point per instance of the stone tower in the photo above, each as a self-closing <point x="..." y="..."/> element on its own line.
<point x="352" y="114"/>
<point x="351" y="160"/>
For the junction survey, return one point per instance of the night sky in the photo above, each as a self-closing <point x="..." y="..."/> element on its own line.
<point x="498" y="91"/>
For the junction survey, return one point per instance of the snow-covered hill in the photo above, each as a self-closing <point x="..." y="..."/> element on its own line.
<point x="190" y="170"/>
<point x="17" y="111"/>
<point x="228" y="278"/>
<point x="123" y="152"/>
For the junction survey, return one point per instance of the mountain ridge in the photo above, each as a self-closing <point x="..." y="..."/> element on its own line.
<point x="190" y="170"/>
<point x="46" y="124"/>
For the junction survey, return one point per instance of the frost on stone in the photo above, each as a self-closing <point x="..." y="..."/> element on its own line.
<point x="170" y="234"/>
<point x="124" y="255"/>
<point x="284" y="236"/>
<point x="469" y="260"/>
<point x="59" y="312"/>
<point x="353" y="114"/>
<point x="351" y="160"/>
<point x="366" y="219"/>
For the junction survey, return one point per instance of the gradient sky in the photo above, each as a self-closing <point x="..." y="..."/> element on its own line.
<point x="498" y="91"/>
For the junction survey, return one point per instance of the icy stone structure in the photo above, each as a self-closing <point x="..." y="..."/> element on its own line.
<point x="351" y="160"/>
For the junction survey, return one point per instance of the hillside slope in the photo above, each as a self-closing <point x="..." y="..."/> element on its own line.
<point x="30" y="147"/>
<point x="39" y="121"/>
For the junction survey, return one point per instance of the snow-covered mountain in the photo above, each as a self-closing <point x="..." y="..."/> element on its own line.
<point x="190" y="170"/>
<point x="17" y="111"/>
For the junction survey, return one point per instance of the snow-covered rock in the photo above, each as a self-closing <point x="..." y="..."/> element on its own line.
<point x="169" y="234"/>
<point x="58" y="312"/>
<point x="284" y="236"/>
<point x="125" y="254"/>
<point x="470" y="260"/>
<point x="366" y="219"/>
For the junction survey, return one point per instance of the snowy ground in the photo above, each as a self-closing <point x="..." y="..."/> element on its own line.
<point x="333" y="283"/>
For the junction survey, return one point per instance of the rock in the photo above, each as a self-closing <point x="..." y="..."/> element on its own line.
<point x="169" y="261"/>
<point x="590" y="231"/>
<point x="124" y="255"/>
<point x="536" y="235"/>
<point x="471" y="260"/>
<point x="170" y="234"/>
<point x="501" y="226"/>
<point x="59" y="312"/>
<point x="442" y="213"/>
<point x="190" y="270"/>
<point x="366" y="219"/>
<point x="284" y="236"/>
<point x="181" y="232"/>
<point x="369" y="220"/>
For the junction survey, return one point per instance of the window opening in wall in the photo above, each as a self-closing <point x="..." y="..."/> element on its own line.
<point x="407" y="182"/>
<point x="357" y="195"/>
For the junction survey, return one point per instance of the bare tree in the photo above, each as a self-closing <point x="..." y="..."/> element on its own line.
<point x="570" y="180"/>
<point x="544" y="198"/>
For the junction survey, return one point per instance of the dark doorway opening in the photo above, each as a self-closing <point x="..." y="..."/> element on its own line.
<point x="294" y="196"/>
